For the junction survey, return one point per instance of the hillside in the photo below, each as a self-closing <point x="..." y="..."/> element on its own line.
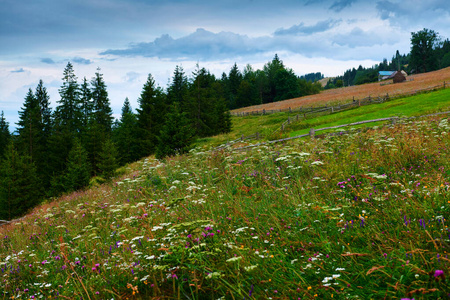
<point x="345" y="94"/>
<point x="357" y="216"/>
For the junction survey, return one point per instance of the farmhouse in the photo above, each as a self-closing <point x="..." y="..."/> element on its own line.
<point x="382" y="75"/>
<point x="397" y="76"/>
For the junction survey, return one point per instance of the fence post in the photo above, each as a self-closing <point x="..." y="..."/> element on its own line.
<point x="393" y="121"/>
<point x="242" y="137"/>
<point x="312" y="132"/>
<point x="264" y="111"/>
<point x="290" y="110"/>
<point x="257" y="135"/>
<point x="282" y="127"/>
<point x="297" y="117"/>
<point x="332" y="109"/>
<point x="289" y="120"/>
<point x="444" y="85"/>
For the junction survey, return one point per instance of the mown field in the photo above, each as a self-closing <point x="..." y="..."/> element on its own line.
<point x="342" y="95"/>
<point x="357" y="216"/>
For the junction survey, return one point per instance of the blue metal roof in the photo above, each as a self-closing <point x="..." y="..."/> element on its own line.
<point x="385" y="73"/>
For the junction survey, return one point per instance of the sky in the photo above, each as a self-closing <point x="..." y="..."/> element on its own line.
<point x="129" y="39"/>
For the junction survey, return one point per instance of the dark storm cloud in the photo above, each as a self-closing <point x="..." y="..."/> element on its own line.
<point x="47" y="60"/>
<point x="433" y="14"/>
<point x="201" y="44"/>
<point x="21" y="70"/>
<point x="82" y="61"/>
<point x="339" y="5"/>
<point x="301" y="29"/>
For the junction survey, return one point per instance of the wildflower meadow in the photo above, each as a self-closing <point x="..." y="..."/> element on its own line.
<point x="362" y="215"/>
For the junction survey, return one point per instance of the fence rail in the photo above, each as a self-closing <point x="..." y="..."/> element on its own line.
<point x="306" y="110"/>
<point x="312" y="131"/>
<point x="355" y="103"/>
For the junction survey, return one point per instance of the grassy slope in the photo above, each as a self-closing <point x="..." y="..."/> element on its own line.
<point x="404" y="107"/>
<point x="426" y="103"/>
<point x="358" y="216"/>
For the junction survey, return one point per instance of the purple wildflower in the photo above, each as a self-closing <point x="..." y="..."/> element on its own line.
<point x="438" y="273"/>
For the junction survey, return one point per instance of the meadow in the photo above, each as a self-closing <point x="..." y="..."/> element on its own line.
<point x="354" y="216"/>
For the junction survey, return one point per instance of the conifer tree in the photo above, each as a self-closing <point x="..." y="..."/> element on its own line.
<point x="221" y="114"/>
<point x="233" y="82"/>
<point x="43" y="99"/>
<point x="108" y="159"/>
<point x="78" y="170"/>
<point x="150" y="116"/>
<point x="176" y="136"/>
<point x="42" y="160"/>
<point x="100" y="102"/>
<point x="66" y="126"/>
<point x="178" y="89"/>
<point x="100" y="125"/>
<point x="5" y="135"/>
<point x="125" y="136"/>
<point x="30" y="128"/>
<point x="68" y="112"/>
<point x="271" y="69"/>
<point x="19" y="185"/>
<point x="201" y="102"/>
<point x="86" y="107"/>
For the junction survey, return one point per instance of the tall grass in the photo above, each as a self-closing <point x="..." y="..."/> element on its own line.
<point x="359" y="216"/>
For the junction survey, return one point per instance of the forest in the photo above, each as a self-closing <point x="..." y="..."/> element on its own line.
<point x="78" y="143"/>
<point x="429" y="52"/>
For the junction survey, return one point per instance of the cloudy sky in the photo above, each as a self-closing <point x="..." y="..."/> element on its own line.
<point x="128" y="39"/>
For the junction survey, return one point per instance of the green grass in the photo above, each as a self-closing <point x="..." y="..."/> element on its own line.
<point x="404" y="107"/>
<point x="358" y="216"/>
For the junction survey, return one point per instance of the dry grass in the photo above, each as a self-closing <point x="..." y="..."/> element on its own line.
<point x="415" y="82"/>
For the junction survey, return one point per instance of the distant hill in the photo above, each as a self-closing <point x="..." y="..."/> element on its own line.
<point x="324" y="81"/>
<point x="414" y="82"/>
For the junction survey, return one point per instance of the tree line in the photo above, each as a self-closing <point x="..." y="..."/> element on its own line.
<point x="429" y="52"/>
<point x="275" y="82"/>
<point x="55" y="151"/>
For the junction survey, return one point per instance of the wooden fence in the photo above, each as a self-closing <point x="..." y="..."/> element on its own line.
<point x="312" y="131"/>
<point x="364" y="101"/>
<point x="354" y="103"/>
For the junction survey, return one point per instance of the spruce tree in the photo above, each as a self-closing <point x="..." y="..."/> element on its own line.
<point x="78" y="170"/>
<point x="66" y="126"/>
<point x="19" y="185"/>
<point x="125" y="135"/>
<point x="201" y="102"/>
<point x="100" y="124"/>
<point x="68" y="113"/>
<point x="43" y="157"/>
<point x="108" y="159"/>
<point x="221" y="114"/>
<point x="5" y="135"/>
<point x="86" y="107"/>
<point x="233" y="82"/>
<point x="176" y="136"/>
<point x="178" y="89"/>
<point x="100" y="103"/>
<point x="30" y="127"/>
<point x="150" y="116"/>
